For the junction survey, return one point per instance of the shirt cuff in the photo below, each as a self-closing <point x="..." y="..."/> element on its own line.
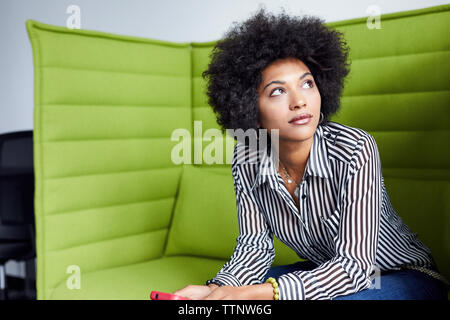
<point x="291" y="287"/>
<point x="225" y="279"/>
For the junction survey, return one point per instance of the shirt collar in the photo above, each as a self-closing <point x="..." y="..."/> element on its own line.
<point x="317" y="165"/>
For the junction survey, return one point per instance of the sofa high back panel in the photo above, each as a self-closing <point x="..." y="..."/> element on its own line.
<point x="399" y="91"/>
<point x="105" y="109"/>
<point x="108" y="194"/>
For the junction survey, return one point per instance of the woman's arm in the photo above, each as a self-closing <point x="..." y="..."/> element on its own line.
<point x="254" y="251"/>
<point x="355" y="249"/>
<point x="251" y="292"/>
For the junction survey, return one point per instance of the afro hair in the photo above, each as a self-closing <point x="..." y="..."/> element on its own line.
<point x="237" y="61"/>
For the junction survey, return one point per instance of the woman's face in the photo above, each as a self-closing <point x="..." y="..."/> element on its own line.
<point x="288" y="90"/>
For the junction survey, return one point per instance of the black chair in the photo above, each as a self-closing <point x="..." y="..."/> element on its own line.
<point x="17" y="228"/>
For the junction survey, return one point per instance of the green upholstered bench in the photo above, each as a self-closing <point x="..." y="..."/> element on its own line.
<point x="117" y="218"/>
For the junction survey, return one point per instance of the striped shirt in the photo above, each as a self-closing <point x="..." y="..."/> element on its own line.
<point x="346" y="223"/>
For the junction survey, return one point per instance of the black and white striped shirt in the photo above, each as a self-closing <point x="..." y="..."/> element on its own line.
<point x="346" y="223"/>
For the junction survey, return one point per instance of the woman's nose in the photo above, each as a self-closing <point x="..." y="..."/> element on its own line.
<point x="298" y="100"/>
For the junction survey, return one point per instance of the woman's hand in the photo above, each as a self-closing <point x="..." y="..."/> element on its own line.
<point x="250" y="292"/>
<point x="195" y="292"/>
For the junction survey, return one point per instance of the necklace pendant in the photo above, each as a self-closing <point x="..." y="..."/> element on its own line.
<point x="289" y="181"/>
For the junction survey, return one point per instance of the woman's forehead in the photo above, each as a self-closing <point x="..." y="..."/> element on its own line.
<point x="282" y="67"/>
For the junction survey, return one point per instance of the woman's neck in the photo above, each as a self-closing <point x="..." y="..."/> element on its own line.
<point x="293" y="155"/>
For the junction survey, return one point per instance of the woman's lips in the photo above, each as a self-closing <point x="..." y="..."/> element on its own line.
<point x="303" y="119"/>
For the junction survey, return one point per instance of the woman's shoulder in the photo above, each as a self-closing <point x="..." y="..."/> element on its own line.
<point x="352" y="135"/>
<point x="351" y="143"/>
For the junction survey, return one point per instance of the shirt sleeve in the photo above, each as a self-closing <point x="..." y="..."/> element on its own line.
<point x="355" y="247"/>
<point x="254" y="251"/>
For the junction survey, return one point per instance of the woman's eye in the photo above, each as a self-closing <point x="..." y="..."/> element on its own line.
<point x="274" y="91"/>
<point x="308" y="84"/>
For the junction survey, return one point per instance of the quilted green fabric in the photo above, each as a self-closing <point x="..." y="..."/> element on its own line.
<point x="205" y="214"/>
<point x="109" y="199"/>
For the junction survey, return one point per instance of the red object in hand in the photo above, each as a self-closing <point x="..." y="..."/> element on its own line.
<point x="157" y="295"/>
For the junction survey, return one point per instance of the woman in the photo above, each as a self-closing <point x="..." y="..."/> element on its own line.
<point x="325" y="197"/>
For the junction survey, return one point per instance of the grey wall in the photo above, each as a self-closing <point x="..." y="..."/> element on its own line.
<point x="172" y="20"/>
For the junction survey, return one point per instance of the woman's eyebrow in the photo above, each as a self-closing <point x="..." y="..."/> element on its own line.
<point x="283" y="82"/>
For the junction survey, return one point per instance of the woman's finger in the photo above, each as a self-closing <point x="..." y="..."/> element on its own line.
<point x="182" y="291"/>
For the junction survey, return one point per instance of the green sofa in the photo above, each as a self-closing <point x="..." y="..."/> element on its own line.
<point x="117" y="218"/>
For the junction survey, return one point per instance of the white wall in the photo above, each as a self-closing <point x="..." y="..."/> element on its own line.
<point x="172" y="20"/>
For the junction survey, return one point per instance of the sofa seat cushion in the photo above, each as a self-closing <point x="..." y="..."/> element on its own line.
<point x="136" y="281"/>
<point x="204" y="221"/>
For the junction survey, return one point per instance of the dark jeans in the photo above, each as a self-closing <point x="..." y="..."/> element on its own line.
<point x="392" y="285"/>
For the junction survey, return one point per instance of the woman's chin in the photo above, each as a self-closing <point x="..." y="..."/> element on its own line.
<point x="297" y="137"/>
<point x="298" y="133"/>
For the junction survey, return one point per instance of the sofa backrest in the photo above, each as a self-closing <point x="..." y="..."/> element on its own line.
<point x="398" y="91"/>
<point x="105" y="110"/>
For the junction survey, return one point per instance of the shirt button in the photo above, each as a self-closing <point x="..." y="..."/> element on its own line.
<point x="304" y="196"/>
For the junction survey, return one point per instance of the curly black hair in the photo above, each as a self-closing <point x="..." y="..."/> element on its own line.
<point x="237" y="61"/>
